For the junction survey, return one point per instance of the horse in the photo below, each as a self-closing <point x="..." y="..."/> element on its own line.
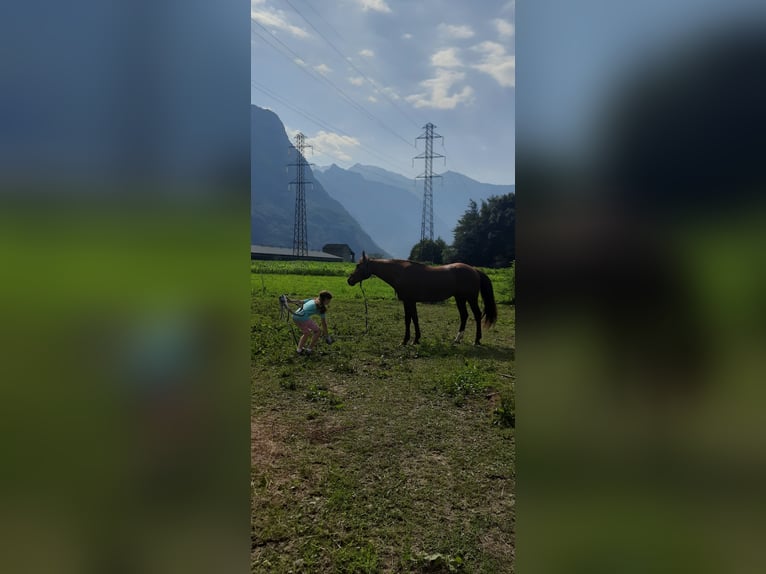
<point x="418" y="283"/>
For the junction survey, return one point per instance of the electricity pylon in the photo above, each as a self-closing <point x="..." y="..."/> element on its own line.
<point x="427" y="220"/>
<point x="300" y="242"/>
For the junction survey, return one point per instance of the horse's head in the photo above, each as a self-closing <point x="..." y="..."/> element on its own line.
<point x="361" y="272"/>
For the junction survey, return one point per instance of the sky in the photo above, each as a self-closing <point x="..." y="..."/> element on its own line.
<point x="361" y="78"/>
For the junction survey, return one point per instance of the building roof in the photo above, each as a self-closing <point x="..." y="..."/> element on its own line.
<point x="288" y="252"/>
<point x="336" y="245"/>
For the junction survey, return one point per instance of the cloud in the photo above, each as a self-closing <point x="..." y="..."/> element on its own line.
<point x="334" y="145"/>
<point x="291" y="132"/>
<point x="509" y="6"/>
<point x="437" y="93"/>
<point x="446" y="58"/>
<point x="367" y="53"/>
<point x="374" y="5"/>
<point x="356" y="80"/>
<point x="504" y="27"/>
<point x="406" y="36"/>
<point x="391" y="93"/>
<point x="323" y="69"/>
<point x="497" y="63"/>
<point x="372" y="99"/>
<point x="270" y="18"/>
<point x="456" y="32"/>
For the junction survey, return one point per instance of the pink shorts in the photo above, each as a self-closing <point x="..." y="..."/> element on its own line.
<point x="307" y="326"/>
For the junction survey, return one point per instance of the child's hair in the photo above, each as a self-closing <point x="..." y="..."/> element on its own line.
<point x="324" y="296"/>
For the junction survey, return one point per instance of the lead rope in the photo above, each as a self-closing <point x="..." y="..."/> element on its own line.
<point x="286" y="313"/>
<point x="366" y="321"/>
<point x="284" y="310"/>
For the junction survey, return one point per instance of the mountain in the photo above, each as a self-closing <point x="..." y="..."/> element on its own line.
<point x="380" y="175"/>
<point x="370" y="200"/>
<point x="390" y="214"/>
<point x="272" y="203"/>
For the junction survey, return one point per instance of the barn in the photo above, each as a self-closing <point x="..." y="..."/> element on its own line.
<point x="342" y="250"/>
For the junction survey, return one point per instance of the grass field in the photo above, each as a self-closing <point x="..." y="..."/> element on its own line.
<point x="372" y="457"/>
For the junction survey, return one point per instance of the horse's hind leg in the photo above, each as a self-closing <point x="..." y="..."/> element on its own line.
<point x="463" y="317"/>
<point x="476" y="315"/>
<point x="407" y="318"/>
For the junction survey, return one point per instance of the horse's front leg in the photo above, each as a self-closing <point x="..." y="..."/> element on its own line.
<point x="407" y="318"/>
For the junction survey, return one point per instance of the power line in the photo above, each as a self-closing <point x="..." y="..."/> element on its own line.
<point x="314" y="76"/>
<point x="270" y="44"/>
<point x="348" y="61"/>
<point x="320" y="77"/>
<point x="330" y="26"/>
<point x="270" y="93"/>
<point x="323" y="78"/>
<point x="391" y="162"/>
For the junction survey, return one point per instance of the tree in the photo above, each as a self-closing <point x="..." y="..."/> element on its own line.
<point x="467" y="232"/>
<point x="485" y="236"/>
<point x="501" y="230"/>
<point x="429" y="251"/>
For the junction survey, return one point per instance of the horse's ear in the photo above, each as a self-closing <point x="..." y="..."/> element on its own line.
<point x="364" y="255"/>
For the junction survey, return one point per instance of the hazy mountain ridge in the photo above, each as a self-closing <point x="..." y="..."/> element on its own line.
<point x="367" y="207"/>
<point x="380" y="175"/>
<point x="452" y="194"/>
<point x="389" y="214"/>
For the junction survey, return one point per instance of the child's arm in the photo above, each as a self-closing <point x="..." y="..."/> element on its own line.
<point x="324" y="327"/>
<point x="328" y="339"/>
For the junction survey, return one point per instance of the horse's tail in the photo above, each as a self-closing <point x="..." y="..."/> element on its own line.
<point x="488" y="295"/>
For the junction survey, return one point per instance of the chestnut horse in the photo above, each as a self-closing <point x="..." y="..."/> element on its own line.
<point x="418" y="283"/>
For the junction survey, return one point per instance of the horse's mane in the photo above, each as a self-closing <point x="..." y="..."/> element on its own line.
<point x="402" y="261"/>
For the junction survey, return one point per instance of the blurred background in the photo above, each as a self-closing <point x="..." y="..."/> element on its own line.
<point x="124" y="362"/>
<point x="124" y="300"/>
<point x="641" y="132"/>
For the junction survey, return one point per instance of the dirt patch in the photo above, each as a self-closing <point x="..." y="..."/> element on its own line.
<point x="267" y="442"/>
<point x="320" y="432"/>
<point x="498" y="545"/>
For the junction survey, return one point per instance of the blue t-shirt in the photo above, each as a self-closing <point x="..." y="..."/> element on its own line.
<point x="309" y="308"/>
